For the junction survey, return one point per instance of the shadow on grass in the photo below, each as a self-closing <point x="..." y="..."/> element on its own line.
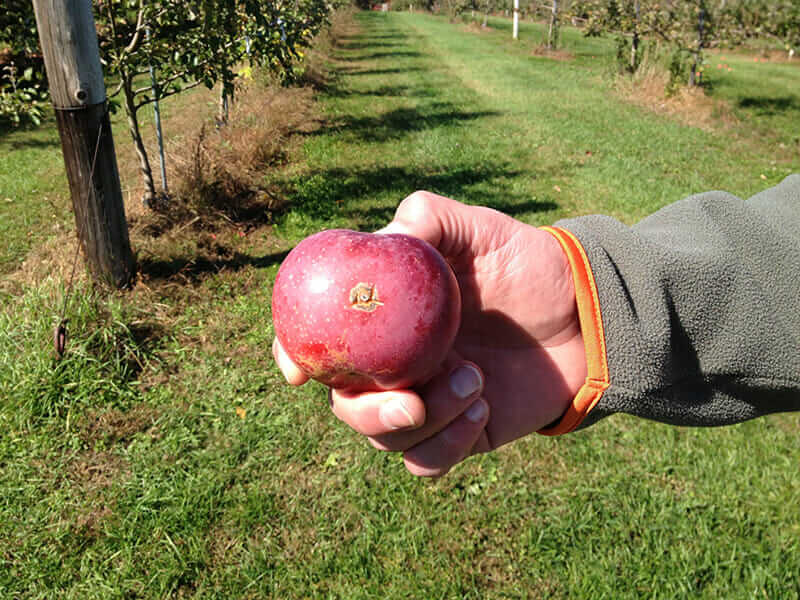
<point x="23" y="141"/>
<point x="32" y="143"/>
<point x="363" y="44"/>
<point x="194" y="269"/>
<point x="400" y="122"/>
<point x="391" y="54"/>
<point x="336" y="90"/>
<point x="331" y="192"/>
<point x="404" y="91"/>
<point x="393" y="71"/>
<point x="770" y="106"/>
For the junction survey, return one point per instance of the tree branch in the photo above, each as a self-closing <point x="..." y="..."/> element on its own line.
<point x="137" y="35"/>
<point x="167" y="81"/>
<point x="116" y="91"/>
<point x="167" y="95"/>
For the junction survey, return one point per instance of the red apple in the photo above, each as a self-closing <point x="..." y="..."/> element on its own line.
<point x="366" y="311"/>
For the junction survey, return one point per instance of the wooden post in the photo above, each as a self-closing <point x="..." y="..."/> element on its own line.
<point x="515" y="26"/>
<point x="75" y="76"/>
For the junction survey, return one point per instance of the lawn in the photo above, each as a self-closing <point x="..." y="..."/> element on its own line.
<point x="163" y="457"/>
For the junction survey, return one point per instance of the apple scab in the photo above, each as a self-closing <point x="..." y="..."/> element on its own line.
<point x="364" y="296"/>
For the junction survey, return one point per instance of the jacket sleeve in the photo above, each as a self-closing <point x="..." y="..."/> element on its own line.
<point x="692" y="316"/>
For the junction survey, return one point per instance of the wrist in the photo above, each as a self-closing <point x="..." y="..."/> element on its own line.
<point x="595" y="375"/>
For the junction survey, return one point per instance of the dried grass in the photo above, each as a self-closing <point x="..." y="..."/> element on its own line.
<point x="690" y="105"/>
<point x="476" y="27"/>
<point x="555" y="54"/>
<point x="53" y="258"/>
<point x="220" y="171"/>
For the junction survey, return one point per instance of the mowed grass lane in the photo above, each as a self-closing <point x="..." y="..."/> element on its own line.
<point x="199" y="474"/>
<point x="433" y="105"/>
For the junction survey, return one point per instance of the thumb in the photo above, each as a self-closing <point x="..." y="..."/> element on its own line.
<point x="449" y="226"/>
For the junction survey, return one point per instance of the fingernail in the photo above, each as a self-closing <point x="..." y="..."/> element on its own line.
<point x="465" y="381"/>
<point x="394" y="415"/>
<point x="477" y="412"/>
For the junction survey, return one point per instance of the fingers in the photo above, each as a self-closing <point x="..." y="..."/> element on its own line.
<point x="290" y="371"/>
<point x="446" y="397"/>
<point x="434" y="430"/>
<point x="436" y="455"/>
<point x="378" y="413"/>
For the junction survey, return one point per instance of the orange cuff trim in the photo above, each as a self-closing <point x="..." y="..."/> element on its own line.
<point x="594" y="339"/>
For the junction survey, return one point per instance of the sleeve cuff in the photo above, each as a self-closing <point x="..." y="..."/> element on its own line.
<point x="591" y="322"/>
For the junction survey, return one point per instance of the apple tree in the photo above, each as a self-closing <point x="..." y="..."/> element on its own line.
<point x="196" y="43"/>
<point x="690" y="27"/>
<point x="22" y="82"/>
<point x="775" y="19"/>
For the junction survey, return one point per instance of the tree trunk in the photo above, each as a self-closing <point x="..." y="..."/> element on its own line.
<point x="635" y="41"/>
<point x="149" y="194"/>
<point x="698" y="54"/>
<point x="222" y="107"/>
<point x="552" y="34"/>
<point x="75" y="76"/>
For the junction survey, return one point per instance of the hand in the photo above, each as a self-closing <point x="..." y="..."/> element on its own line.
<point x="518" y="359"/>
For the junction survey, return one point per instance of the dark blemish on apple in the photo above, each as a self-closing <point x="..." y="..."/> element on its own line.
<point x="364" y="297"/>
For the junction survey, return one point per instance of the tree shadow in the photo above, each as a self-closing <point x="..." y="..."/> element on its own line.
<point x="194" y="269"/>
<point x="364" y="45"/>
<point x="404" y="91"/>
<point x="29" y="143"/>
<point x="355" y="71"/>
<point x="392" y="54"/>
<point x="770" y="106"/>
<point x="328" y="193"/>
<point x="400" y="122"/>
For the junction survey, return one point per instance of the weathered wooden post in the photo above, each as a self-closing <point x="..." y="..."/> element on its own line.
<point x="75" y="76"/>
<point x="515" y="27"/>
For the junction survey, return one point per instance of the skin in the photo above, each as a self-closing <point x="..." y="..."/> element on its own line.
<point x="518" y="359"/>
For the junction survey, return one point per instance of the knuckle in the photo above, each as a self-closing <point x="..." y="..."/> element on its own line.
<point x="362" y="421"/>
<point x="416" y="206"/>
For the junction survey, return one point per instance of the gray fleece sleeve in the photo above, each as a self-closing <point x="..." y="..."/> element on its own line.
<point x="700" y="307"/>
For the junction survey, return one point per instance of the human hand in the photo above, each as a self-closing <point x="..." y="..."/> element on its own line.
<point x="518" y="359"/>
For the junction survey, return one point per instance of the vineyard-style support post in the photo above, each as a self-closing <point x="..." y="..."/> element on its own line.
<point x="157" y="115"/>
<point x="72" y="61"/>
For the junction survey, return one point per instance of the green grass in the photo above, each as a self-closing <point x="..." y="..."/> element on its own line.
<point x="163" y="457"/>
<point x="32" y="188"/>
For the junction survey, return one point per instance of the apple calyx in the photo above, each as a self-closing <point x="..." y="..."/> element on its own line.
<point x="364" y="297"/>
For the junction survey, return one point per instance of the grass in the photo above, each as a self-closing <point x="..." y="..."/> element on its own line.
<point x="163" y="457"/>
<point x="32" y="188"/>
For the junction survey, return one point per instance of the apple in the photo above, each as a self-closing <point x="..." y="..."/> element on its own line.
<point x="366" y="311"/>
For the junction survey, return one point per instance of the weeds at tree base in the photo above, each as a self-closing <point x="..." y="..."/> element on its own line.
<point x="660" y="86"/>
<point x="554" y="54"/>
<point x="690" y="105"/>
